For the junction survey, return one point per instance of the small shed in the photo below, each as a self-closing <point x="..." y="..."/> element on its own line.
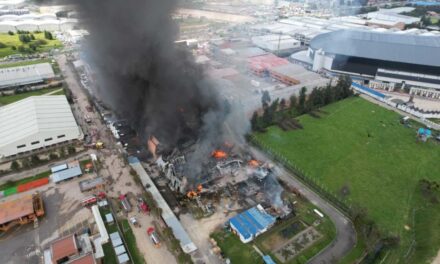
<point x="109" y="218"/>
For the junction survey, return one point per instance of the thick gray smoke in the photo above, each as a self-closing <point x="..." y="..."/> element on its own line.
<point x="150" y="82"/>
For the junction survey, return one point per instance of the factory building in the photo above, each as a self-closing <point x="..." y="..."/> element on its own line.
<point x="391" y="18"/>
<point x="25" y="75"/>
<point x="36" y="123"/>
<point x="389" y="58"/>
<point x="35" y="22"/>
<point x="276" y="43"/>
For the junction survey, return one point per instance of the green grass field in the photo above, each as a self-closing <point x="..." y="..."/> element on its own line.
<point x="235" y="250"/>
<point x="130" y="239"/>
<point x="8" y="99"/>
<point x="12" y="40"/>
<point x="362" y="146"/>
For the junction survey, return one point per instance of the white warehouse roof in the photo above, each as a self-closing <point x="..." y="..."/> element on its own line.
<point x="22" y="75"/>
<point x="35" y="122"/>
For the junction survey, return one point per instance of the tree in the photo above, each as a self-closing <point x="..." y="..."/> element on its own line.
<point x="265" y="99"/>
<point x="25" y="163"/>
<point x="32" y="37"/>
<point x="293" y="101"/>
<point x="283" y="104"/>
<point x="71" y="150"/>
<point x="254" y="121"/>
<point x="10" y="33"/>
<point x="302" y="100"/>
<point x="53" y="156"/>
<point x="344" y="86"/>
<point x="14" y="48"/>
<point x="48" y="35"/>
<point x="62" y="152"/>
<point x="35" y="160"/>
<point x="15" y="166"/>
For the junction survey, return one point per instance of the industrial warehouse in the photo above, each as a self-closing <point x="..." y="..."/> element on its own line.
<point x="35" y="123"/>
<point x="388" y="58"/>
<point x="25" y="75"/>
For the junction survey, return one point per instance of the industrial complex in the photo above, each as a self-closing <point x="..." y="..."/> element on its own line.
<point x="159" y="148"/>
<point x="390" y="58"/>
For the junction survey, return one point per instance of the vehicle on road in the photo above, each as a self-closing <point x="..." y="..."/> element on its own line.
<point x="134" y="222"/>
<point x="153" y="236"/>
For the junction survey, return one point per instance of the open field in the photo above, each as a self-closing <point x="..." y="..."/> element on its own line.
<point x="235" y="250"/>
<point x="8" y="99"/>
<point x="361" y="153"/>
<point x="13" y="41"/>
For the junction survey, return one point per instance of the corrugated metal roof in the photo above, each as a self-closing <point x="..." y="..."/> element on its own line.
<point x="252" y="221"/>
<point x="58" y="168"/>
<point x="28" y="74"/>
<point x="33" y="115"/>
<point x="66" y="174"/>
<point x="404" y="48"/>
<point x="15" y="209"/>
<point x="167" y="214"/>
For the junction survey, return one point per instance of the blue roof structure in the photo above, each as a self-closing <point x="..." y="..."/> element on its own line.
<point x="66" y="174"/>
<point x="424" y="3"/>
<point x="268" y="260"/>
<point x="425" y="132"/>
<point x="368" y="90"/>
<point x="58" y="168"/>
<point x="251" y="222"/>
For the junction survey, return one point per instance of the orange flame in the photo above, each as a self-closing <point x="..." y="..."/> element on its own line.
<point x="254" y="163"/>
<point x="218" y="154"/>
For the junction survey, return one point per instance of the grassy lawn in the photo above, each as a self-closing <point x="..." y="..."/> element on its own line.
<point x="13" y="41"/>
<point x="130" y="239"/>
<point x="23" y="63"/>
<point x="362" y="148"/>
<point x="235" y="250"/>
<point x="7" y="99"/>
<point x="426" y="224"/>
<point x="10" y="184"/>
<point x="109" y="254"/>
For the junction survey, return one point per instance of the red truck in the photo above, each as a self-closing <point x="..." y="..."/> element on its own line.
<point x="153" y="236"/>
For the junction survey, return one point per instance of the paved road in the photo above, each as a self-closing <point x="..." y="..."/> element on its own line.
<point x="346" y="234"/>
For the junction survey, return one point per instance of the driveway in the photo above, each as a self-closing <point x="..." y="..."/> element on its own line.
<point x="345" y="232"/>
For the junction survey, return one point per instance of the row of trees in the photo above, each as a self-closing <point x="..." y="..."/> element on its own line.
<point x="35" y="160"/>
<point x="278" y="110"/>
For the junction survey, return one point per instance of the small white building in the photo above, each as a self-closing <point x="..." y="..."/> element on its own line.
<point x="35" y="123"/>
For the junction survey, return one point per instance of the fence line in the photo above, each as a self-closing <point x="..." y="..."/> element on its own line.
<point x="309" y="181"/>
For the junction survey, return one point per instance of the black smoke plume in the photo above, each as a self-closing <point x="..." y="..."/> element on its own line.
<point x="148" y="80"/>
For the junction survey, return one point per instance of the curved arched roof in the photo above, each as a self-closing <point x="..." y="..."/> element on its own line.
<point x="404" y="48"/>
